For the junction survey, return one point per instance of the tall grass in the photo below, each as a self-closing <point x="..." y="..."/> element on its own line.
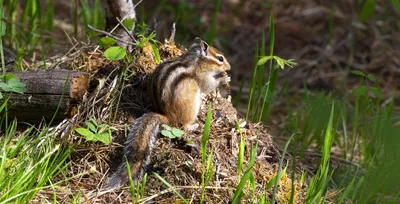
<point x="318" y="184"/>
<point x="91" y="14"/>
<point x="262" y="89"/>
<point x="29" y="161"/>
<point x="33" y="27"/>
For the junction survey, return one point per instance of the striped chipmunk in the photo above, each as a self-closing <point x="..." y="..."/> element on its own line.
<point x="176" y="89"/>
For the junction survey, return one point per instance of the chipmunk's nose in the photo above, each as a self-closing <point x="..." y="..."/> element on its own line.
<point x="227" y="66"/>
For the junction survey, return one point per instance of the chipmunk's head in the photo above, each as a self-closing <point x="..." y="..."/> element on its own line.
<point x="211" y="58"/>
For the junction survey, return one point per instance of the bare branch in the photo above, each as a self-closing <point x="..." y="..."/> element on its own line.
<point x="172" y="36"/>
<point x="126" y="30"/>
<point x="110" y="35"/>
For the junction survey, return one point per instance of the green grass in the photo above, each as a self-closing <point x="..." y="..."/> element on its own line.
<point x="206" y="162"/>
<point x="29" y="161"/>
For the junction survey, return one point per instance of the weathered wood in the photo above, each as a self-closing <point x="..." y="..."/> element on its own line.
<point x="43" y="93"/>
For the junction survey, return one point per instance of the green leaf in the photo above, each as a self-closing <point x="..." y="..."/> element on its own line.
<point x="156" y="53"/>
<point x="371" y="77"/>
<point x="128" y="23"/>
<point x="91" y="126"/>
<point x="115" y="53"/>
<point x="377" y="92"/>
<point x="94" y="121"/>
<point x="103" y="137"/>
<point x="106" y="41"/>
<point x="357" y="72"/>
<point x="367" y="10"/>
<point x="103" y="126"/>
<point x="360" y="91"/>
<point x="177" y="132"/>
<point x="9" y="76"/>
<point x="16" y="85"/>
<point x="167" y="133"/>
<point x="5" y="87"/>
<point x="263" y="60"/>
<point x="86" y="133"/>
<point x="396" y="5"/>
<point x="166" y="127"/>
<point x="280" y="62"/>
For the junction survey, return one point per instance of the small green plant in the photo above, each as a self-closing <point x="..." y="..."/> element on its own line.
<point x="207" y="170"/>
<point x="10" y="83"/>
<point x="247" y="176"/>
<point x="261" y="90"/>
<point x="96" y="132"/>
<point x="362" y="90"/>
<point x="171" y="132"/>
<point x="136" y="189"/>
<point x="144" y="35"/>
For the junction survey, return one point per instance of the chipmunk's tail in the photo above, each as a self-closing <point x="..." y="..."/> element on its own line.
<point x="137" y="148"/>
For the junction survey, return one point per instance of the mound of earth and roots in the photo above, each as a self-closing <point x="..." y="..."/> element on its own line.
<point x="117" y="96"/>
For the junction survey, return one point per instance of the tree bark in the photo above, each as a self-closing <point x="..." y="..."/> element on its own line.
<point x="121" y="9"/>
<point x="45" y="91"/>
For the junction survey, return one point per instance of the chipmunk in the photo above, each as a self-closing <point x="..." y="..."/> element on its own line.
<point x="176" y="89"/>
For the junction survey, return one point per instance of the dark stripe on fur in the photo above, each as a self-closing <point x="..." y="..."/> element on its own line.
<point x="176" y="82"/>
<point x="167" y="73"/>
<point x="155" y="92"/>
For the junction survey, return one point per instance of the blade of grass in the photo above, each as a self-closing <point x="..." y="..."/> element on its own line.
<point x="252" y="86"/>
<point x="271" y="54"/>
<point x="280" y="168"/>
<point x="241" y="150"/>
<point x="171" y="187"/>
<point x="204" y="141"/>
<point x="247" y="175"/>
<point x="319" y="182"/>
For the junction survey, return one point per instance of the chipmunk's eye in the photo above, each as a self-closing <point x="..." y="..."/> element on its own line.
<point x="220" y="58"/>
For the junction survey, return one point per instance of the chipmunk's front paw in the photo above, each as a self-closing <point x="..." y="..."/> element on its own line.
<point x="224" y="78"/>
<point x="191" y="127"/>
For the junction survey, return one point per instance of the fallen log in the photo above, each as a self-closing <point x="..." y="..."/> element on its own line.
<point x="45" y="91"/>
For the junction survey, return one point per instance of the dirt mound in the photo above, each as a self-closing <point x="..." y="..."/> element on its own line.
<point x="178" y="161"/>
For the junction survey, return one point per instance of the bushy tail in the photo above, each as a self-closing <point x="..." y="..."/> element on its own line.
<point x="137" y="148"/>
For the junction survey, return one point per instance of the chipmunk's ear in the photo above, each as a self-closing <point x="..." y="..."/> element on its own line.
<point x="202" y="45"/>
